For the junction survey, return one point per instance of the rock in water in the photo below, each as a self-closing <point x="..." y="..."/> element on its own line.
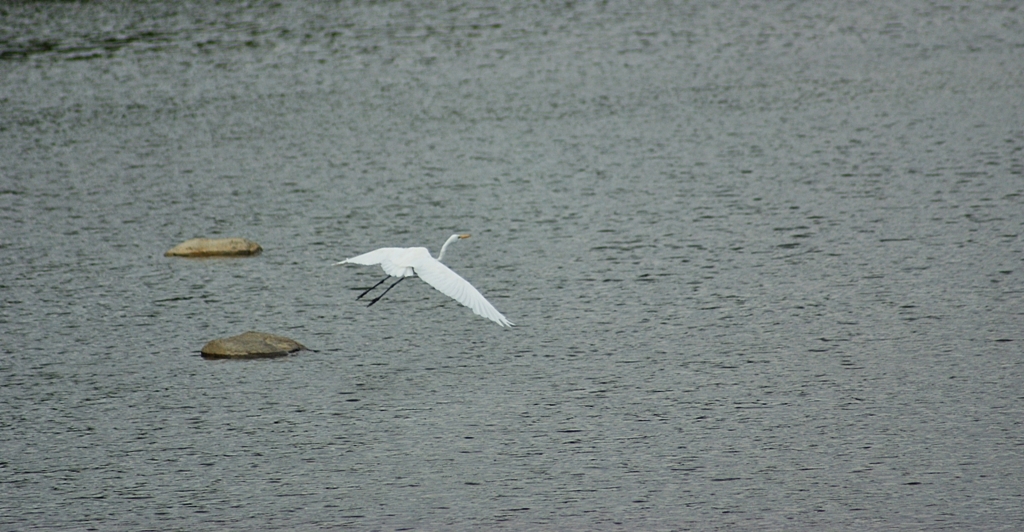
<point x="251" y="345"/>
<point x="214" y="247"/>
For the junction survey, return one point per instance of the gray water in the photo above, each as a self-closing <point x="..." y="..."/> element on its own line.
<point x="765" y="262"/>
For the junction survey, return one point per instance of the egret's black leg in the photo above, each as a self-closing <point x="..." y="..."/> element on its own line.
<point x="374" y="286"/>
<point x="386" y="291"/>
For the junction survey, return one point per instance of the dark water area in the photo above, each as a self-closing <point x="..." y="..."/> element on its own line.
<point x="765" y="263"/>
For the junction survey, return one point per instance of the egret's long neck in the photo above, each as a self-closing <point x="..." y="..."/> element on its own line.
<point x="451" y="239"/>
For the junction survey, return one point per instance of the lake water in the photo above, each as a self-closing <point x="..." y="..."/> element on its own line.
<point x="765" y="262"/>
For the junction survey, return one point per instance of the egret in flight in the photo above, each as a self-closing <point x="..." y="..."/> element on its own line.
<point x="409" y="262"/>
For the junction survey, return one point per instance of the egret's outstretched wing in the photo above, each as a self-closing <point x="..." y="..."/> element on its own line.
<point x="392" y="260"/>
<point x="449" y="283"/>
<point x="376" y="256"/>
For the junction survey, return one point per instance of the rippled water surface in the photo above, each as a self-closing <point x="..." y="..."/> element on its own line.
<point x="765" y="262"/>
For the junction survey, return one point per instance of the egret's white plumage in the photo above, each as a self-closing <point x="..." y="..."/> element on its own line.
<point x="417" y="262"/>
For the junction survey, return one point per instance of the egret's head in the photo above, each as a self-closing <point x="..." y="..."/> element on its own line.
<point x="451" y="239"/>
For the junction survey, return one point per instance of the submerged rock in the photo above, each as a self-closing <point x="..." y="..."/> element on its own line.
<point x="215" y="247"/>
<point x="251" y="345"/>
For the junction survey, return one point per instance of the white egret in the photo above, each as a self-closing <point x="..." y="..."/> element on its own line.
<point x="410" y="262"/>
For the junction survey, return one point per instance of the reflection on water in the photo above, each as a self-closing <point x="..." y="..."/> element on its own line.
<point x="764" y="263"/>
